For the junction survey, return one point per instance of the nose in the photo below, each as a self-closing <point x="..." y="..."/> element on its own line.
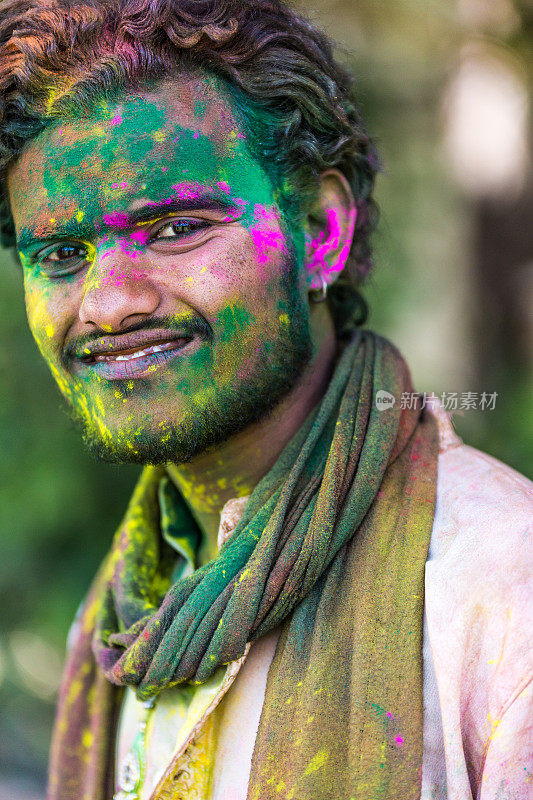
<point x="117" y="293"/>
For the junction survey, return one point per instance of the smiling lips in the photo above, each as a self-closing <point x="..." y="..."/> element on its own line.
<point x="133" y="353"/>
<point x="130" y="346"/>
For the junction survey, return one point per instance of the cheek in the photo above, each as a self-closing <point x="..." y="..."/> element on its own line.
<point x="48" y="312"/>
<point x="38" y="312"/>
<point x="227" y="272"/>
<point x="269" y="244"/>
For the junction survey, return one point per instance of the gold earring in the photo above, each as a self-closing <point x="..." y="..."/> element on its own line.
<point x="319" y="295"/>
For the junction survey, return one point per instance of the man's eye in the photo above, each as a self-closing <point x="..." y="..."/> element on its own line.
<point x="62" y="260"/>
<point x="178" y="228"/>
<point x="65" y="253"/>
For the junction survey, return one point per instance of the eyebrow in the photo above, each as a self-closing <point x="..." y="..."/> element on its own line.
<point x="124" y="220"/>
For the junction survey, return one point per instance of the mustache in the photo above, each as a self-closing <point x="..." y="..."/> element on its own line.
<point x="186" y="326"/>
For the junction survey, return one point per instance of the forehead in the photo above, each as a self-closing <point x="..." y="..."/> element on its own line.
<point x="146" y="146"/>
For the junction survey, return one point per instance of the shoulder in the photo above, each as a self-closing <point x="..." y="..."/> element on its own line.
<point x="484" y="507"/>
<point x="478" y="589"/>
<point x="481" y="539"/>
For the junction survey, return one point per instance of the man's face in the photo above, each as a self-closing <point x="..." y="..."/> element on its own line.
<point x="161" y="286"/>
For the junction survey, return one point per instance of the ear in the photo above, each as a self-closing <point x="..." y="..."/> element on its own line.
<point x="330" y="226"/>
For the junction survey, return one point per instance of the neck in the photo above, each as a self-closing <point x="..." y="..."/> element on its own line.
<point x="234" y="468"/>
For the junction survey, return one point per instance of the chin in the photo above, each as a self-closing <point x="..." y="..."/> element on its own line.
<point x="168" y="442"/>
<point x="153" y="442"/>
<point x="146" y="449"/>
<point x="146" y="443"/>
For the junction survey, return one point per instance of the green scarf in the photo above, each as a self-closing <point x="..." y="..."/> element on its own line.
<point x="343" y="710"/>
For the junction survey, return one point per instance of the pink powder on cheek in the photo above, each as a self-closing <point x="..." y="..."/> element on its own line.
<point x="265" y="233"/>
<point x="108" y="253"/>
<point x="116" y="277"/>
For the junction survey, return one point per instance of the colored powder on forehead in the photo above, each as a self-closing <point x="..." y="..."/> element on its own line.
<point x="128" y="160"/>
<point x="81" y="142"/>
<point x="117" y="219"/>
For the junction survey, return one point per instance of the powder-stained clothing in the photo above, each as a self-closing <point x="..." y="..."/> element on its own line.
<point x="478" y="721"/>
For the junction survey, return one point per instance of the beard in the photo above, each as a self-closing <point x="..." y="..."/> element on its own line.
<point x="229" y="410"/>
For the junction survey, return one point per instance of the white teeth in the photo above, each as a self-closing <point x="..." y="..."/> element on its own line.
<point x="129" y="356"/>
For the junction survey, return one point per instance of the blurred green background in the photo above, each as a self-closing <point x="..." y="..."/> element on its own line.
<point x="445" y="89"/>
